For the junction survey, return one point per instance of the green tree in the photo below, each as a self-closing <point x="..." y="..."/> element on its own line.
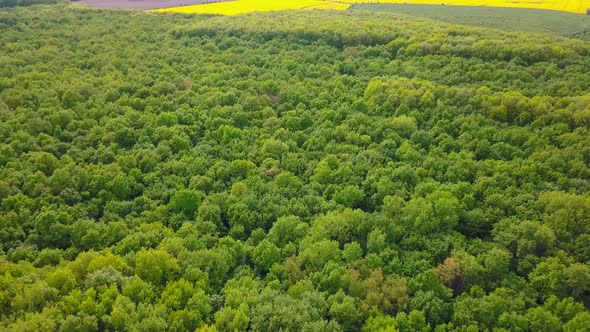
<point x="155" y="266"/>
<point x="186" y="201"/>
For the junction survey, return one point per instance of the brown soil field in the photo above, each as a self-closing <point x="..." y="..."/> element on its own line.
<point x="142" y="4"/>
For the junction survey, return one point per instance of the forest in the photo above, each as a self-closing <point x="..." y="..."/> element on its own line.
<point x="290" y="171"/>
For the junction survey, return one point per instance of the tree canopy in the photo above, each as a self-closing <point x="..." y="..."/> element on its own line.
<point x="297" y="171"/>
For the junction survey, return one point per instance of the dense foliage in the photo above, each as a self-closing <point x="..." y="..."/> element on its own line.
<point x="311" y="171"/>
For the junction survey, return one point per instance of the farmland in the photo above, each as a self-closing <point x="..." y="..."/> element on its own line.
<point x="574" y="6"/>
<point x="143" y="4"/>
<point x="512" y="19"/>
<point x="245" y="6"/>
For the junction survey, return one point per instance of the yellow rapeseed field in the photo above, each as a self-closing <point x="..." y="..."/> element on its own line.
<point x="245" y="6"/>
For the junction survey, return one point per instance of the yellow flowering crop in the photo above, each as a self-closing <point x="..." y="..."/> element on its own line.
<point x="245" y="6"/>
